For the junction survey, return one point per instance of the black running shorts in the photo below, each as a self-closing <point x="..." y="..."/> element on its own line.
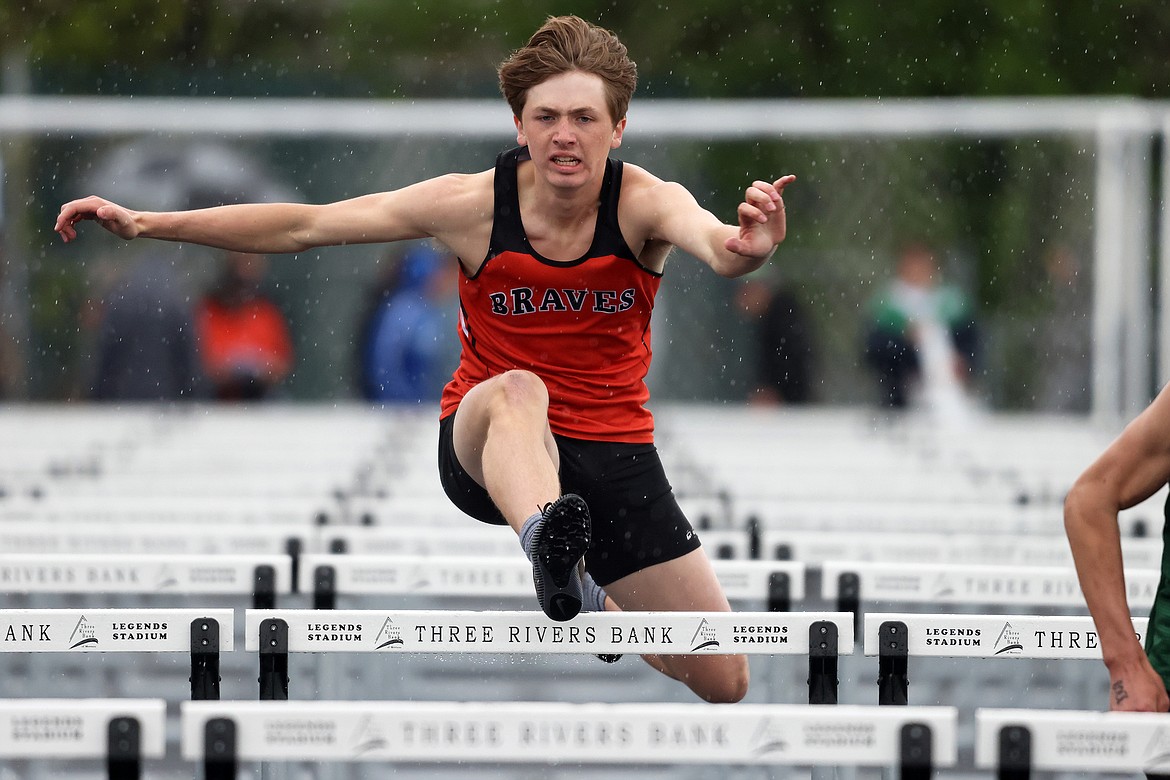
<point x="636" y="521"/>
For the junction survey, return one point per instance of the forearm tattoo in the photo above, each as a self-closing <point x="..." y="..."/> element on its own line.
<point x="1119" y="692"/>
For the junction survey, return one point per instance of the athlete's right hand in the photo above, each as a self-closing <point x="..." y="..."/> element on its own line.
<point x="1137" y="688"/>
<point x="111" y="216"/>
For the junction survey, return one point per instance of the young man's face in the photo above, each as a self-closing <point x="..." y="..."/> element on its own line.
<point x="567" y="127"/>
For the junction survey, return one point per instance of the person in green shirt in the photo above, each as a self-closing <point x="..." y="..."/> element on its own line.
<point x="921" y="340"/>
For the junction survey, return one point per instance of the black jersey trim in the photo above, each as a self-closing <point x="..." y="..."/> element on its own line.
<point x="508" y="229"/>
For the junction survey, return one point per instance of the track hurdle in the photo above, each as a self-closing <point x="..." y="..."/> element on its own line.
<point x="274" y="634"/>
<point x="774" y="583"/>
<point x="221" y="734"/>
<point x="896" y="637"/>
<point x="263" y="577"/>
<point x="1017" y="742"/>
<point x="121" y="731"/>
<point x="850" y="583"/>
<point x="188" y="538"/>
<point x="996" y="549"/>
<point x="204" y="634"/>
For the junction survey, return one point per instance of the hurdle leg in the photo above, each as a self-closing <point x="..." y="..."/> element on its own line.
<point x="219" y="749"/>
<point x="1015" y="753"/>
<point x="893" y="655"/>
<point x="124" y="751"/>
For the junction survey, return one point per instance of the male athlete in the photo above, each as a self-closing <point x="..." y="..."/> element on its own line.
<point x="1130" y="470"/>
<point x="562" y="249"/>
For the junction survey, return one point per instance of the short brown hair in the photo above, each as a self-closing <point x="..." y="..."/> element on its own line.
<point x="567" y="43"/>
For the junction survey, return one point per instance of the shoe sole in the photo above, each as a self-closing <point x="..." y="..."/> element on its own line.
<point x="563" y="541"/>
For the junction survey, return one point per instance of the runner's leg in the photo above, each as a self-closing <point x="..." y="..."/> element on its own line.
<point x="503" y="441"/>
<point x="680" y="585"/>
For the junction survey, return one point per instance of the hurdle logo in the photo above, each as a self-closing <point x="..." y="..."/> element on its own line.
<point x="368" y="737"/>
<point x="165" y="578"/>
<point x="389" y="635"/>
<point x="704" y="637"/>
<point x="1157" y="753"/>
<point x="768" y="739"/>
<point x="84" y="635"/>
<point x="942" y="587"/>
<point x="418" y="577"/>
<point x="1008" y="641"/>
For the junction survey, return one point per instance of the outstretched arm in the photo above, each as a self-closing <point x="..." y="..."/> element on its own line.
<point x="411" y="212"/>
<point x="672" y="215"/>
<point x="1130" y="470"/>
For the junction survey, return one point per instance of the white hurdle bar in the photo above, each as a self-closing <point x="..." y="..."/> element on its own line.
<point x="221" y="733"/>
<point x="776" y="582"/>
<point x="203" y="633"/>
<point x="1045" y="637"/>
<point x="895" y="637"/>
<point x="171" y="538"/>
<point x="821" y="636"/>
<point x="261" y="576"/>
<point x="1016" y="742"/>
<point x="121" y="731"/>
<point x="997" y="549"/>
<point x="850" y="582"/>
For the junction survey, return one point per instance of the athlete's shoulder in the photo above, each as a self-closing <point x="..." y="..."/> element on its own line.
<point x="645" y="202"/>
<point x="637" y="177"/>
<point x="463" y="185"/>
<point x="458" y="195"/>
<point x="639" y="184"/>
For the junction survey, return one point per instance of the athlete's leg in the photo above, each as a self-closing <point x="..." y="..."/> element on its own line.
<point x="684" y="584"/>
<point x="503" y="441"/>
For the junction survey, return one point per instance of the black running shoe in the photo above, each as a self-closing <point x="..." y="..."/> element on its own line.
<point x="610" y="658"/>
<point x="558" y="556"/>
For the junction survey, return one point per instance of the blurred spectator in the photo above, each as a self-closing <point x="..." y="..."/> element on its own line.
<point x="921" y="337"/>
<point x="406" y="349"/>
<point x="244" y="342"/>
<point x="1065" y="339"/>
<point x="12" y="374"/>
<point x="783" y="342"/>
<point x="145" y="345"/>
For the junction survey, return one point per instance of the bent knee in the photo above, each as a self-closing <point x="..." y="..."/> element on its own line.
<point x="520" y="387"/>
<point x="727" y="687"/>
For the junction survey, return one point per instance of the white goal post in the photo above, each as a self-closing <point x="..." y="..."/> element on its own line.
<point x="1130" y="343"/>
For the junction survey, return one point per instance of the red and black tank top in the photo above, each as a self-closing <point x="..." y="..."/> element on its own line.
<point x="583" y="326"/>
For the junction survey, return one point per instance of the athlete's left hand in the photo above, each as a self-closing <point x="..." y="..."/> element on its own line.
<point x="762" y="223"/>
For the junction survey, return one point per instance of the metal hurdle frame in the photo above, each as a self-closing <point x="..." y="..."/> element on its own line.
<point x="71" y="631"/>
<point x="896" y="637"/>
<point x="274" y="634"/>
<point x="850" y="583"/>
<point x="775" y="583"/>
<point x="262" y="576"/>
<point x="1017" y="742"/>
<point x="221" y="734"/>
<point x="121" y="731"/>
